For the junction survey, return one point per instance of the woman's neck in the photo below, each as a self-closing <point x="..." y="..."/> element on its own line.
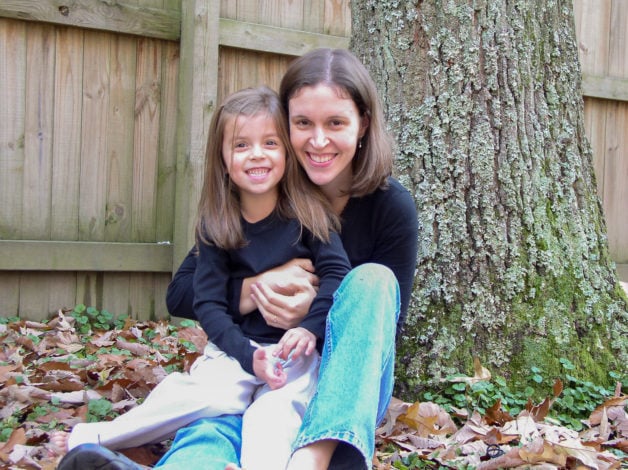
<point x="337" y="191"/>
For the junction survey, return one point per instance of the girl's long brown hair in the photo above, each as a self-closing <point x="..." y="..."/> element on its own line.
<point x="219" y="213"/>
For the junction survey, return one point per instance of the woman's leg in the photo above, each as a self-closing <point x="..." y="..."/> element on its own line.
<point x="356" y="375"/>
<point x="205" y="444"/>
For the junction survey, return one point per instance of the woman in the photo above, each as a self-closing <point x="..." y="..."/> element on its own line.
<point x="338" y="133"/>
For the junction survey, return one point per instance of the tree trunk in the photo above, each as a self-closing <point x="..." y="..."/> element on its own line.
<point x="484" y="98"/>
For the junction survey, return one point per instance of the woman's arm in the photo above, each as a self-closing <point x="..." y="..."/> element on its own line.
<point x="180" y="293"/>
<point x="284" y="293"/>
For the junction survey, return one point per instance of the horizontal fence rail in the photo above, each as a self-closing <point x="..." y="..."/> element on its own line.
<point x="27" y="255"/>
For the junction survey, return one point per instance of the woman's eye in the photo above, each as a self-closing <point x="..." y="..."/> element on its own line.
<point x="301" y="122"/>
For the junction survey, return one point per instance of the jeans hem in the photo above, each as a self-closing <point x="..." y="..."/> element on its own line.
<point x="347" y="437"/>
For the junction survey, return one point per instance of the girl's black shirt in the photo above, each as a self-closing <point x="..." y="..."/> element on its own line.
<point x="272" y="242"/>
<point x="381" y="227"/>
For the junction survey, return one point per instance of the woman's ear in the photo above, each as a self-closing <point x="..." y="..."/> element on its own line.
<point x="364" y="125"/>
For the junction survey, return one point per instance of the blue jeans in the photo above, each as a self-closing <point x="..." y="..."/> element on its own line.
<point x="355" y="382"/>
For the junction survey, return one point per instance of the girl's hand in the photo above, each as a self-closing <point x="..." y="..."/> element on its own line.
<point x="269" y="369"/>
<point x="295" y="342"/>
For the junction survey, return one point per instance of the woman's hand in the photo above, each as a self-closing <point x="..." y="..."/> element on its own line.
<point x="284" y="294"/>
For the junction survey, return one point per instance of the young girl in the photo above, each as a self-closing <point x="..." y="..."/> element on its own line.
<point x="257" y="211"/>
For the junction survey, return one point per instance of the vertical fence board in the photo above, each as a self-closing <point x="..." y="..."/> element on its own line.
<point x="616" y="158"/>
<point x="120" y="138"/>
<point x="141" y="296"/>
<point x="166" y="177"/>
<point x="12" y="98"/>
<point x="595" y="113"/>
<point x="248" y="11"/>
<point x="160" y="287"/>
<point x="116" y="293"/>
<point x="38" y="133"/>
<point x="592" y="20"/>
<point x="35" y="304"/>
<point x="67" y="128"/>
<point x="314" y="16"/>
<point x="93" y="179"/>
<point x="9" y="294"/>
<point x="62" y="288"/>
<point x="337" y="18"/>
<point x="146" y="141"/>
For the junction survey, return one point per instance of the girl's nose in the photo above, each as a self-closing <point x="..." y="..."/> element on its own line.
<point x="319" y="138"/>
<point x="257" y="151"/>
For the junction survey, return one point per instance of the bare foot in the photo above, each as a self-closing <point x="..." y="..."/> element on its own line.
<point x="315" y="456"/>
<point x="59" y="442"/>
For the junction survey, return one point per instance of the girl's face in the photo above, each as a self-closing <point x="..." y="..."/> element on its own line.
<point x="324" y="131"/>
<point x="254" y="155"/>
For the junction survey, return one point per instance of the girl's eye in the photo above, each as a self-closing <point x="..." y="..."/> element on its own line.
<point x="240" y="145"/>
<point x="272" y="143"/>
<point x="336" y="123"/>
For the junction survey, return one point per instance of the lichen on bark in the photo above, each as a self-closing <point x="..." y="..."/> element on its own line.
<point x="484" y="100"/>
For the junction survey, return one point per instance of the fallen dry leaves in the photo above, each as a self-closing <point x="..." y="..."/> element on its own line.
<point x="49" y="374"/>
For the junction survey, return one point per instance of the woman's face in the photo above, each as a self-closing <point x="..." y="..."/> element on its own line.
<point x="324" y="130"/>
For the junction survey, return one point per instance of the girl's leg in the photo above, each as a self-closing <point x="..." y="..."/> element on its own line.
<point x="271" y="423"/>
<point x="205" y="444"/>
<point x="215" y="385"/>
<point x="356" y="375"/>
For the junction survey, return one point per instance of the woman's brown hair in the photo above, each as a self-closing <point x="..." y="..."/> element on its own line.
<point x="341" y="70"/>
<point x="219" y="214"/>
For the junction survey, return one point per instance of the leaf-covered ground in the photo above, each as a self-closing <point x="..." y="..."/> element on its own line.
<point x="57" y="373"/>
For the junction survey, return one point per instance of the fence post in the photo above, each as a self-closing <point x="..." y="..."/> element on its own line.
<point x="198" y="90"/>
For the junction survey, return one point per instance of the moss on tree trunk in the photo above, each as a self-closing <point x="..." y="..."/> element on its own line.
<point x="485" y="102"/>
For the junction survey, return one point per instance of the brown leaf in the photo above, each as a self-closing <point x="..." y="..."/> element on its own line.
<point x="510" y="459"/>
<point x="17" y="437"/>
<point x="596" y="415"/>
<point x="395" y="409"/>
<point x="540" y="451"/>
<point x="137" y="349"/>
<point x="495" y="415"/>
<point x="538" y="412"/>
<point x="428" y="418"/>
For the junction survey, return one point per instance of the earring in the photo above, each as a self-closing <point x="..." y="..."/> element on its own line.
<point x="360" y="143"/>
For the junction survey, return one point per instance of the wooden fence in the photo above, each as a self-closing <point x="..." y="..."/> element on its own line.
<point x="104" y="108"/>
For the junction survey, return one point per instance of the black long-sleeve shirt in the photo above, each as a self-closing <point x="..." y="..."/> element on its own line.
<point x="271" y="242"/>
<point x="380" y="228"/>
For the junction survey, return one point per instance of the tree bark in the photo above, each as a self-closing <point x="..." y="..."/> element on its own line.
<point x="484" y="99"/>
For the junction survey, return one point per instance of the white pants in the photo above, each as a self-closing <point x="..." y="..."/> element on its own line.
<point x="216" y="385"/>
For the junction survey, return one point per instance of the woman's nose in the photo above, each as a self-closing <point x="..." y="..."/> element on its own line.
<point x="319" y="138"/>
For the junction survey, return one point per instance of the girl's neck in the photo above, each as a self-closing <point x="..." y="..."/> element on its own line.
<point x="257" y="207"/>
